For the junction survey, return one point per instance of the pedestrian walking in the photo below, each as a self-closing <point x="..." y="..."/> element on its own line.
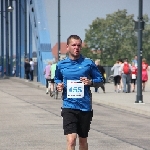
<point x="126" y="76"/>
<point x="53" y="69"/>
<point x="144" y="73"/>
<point x="117" y="75"/>
<point x="27" y="69"/>
<point x="121" y="83"/>
<point x="74" y="75"/>
<point x="14" y="71"/>
<point x="133" y="76"/>
<point x="102" y="71"/>
<point x="31" y="69"/>
<point x="135" y="61"/>
<point x="47" y="74"/>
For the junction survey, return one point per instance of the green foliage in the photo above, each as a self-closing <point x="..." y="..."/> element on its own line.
<point x="115" y="37"/>
<point x="86" y="52"/>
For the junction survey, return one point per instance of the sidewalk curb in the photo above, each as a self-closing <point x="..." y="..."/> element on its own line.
<point x="121" y="107"/>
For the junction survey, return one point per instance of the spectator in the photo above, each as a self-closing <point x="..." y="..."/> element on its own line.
<point x="53" y="68"/>
<point x="14" y="71"/>
<point x="126" y="75"/>
<point x="133" y="76"/>
<point x="121" y="84"/>
<point x="144" y="73"/>
<point x="47" y="73"/>
<point x="102" y="71"/>
<point x="117" y="75"/>
<point x="27" y="69"/>
<point x="135" y="61"/>
<point x="31" y="69"/>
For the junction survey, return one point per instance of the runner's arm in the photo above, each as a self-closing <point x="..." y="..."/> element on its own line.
<point x="58" y="76"/>
<point x="96" y="76"/>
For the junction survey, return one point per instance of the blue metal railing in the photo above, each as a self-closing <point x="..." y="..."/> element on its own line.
<point x="42" y="37"/>
<point x="30" y="22"/>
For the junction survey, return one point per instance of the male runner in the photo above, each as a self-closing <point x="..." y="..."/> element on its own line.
<point x="74" y="76"/>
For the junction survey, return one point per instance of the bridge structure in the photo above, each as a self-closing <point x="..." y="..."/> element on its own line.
<point x="24" y="30"/>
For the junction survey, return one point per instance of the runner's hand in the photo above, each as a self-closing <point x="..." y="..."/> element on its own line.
<point x="85" y="80"/>
<point x="60" y="87"/>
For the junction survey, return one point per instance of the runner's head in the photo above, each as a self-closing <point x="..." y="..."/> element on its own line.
<point x="74" y="45"/>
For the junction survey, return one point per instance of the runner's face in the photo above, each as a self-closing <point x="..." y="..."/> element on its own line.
<point x="74" y="48"/>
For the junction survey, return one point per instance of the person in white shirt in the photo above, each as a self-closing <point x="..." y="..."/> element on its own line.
<point x="31" y="69"/>
<point x="117" y="75"/>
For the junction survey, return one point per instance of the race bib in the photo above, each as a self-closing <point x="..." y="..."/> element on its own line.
<point x="75" y="89"/>
<point x="133" y="76"/>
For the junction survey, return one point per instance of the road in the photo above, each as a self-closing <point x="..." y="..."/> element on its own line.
<point x="30" y="120"/>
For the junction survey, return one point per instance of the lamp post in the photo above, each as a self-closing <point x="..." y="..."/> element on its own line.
<point x="59" y="30"/>
<point x="2" y="40"/>
<point x="11" y="39"/>
<point x="7" y="9"/>
<point x="140" y="27"/>
<point x="7" y="41"/>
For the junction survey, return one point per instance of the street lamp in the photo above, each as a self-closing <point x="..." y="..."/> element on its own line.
<point x="10" y="9"/>
<point x="59" y="30"/>
<point x="7" y="9"/>
<point x="140" y="27"/>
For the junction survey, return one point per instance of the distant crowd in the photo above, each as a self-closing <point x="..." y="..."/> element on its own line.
<point x="125" y="75"/>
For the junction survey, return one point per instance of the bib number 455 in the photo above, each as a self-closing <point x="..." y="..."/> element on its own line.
<point x="75" y="89"/>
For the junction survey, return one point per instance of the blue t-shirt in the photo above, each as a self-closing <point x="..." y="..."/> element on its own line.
<point x="135" y="62"/>
<point x="68" y="69"/>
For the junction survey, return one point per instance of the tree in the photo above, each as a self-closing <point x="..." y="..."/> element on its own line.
<point x="146" y="39"/>
<point x="115" y="37"/>
<point x="87" y="52"/>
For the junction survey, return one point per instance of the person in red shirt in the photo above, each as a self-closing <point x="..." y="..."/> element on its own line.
<point x="144" y="73"/>
<point x="133" y="76"/>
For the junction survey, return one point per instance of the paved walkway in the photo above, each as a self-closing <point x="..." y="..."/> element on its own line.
<point x="30" y="119"/>
<point x="125" y="101"/>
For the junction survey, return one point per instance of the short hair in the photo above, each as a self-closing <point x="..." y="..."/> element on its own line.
<point x="144" y="60"/>
<point x="73" y="37"/>
<point x="30" y="59"/>
<point x="126" y="59"/>
<point x="97" y="61"/>
<point x="120" y="60"/>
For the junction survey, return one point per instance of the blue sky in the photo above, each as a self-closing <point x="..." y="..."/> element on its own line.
<point x="77" y="15"/>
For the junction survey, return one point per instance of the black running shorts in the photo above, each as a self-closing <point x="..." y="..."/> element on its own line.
<point x="52" y="80"/>
<point x="76" y="121"/>
<point x="117" y="80"/>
